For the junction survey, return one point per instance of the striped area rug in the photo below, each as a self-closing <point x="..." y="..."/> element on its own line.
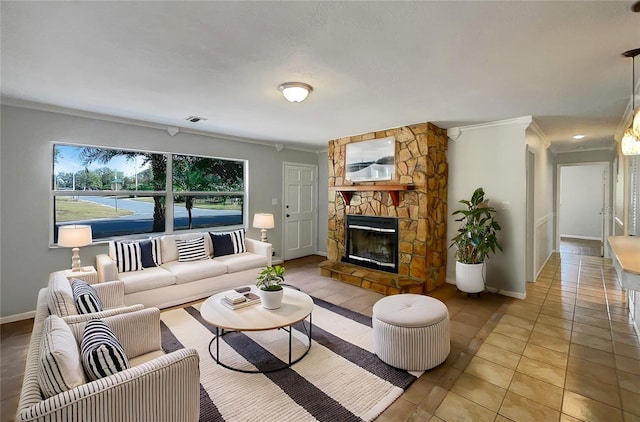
<point x="339" y="380"/>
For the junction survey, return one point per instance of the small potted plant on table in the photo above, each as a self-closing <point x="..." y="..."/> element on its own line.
<point x="477" y="236"/>
<point x="269" y="286"/>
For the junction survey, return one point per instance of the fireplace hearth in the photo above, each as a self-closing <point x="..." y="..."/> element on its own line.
<point x="372" y="242"/>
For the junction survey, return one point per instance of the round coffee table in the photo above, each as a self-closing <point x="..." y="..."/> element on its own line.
<point x="296" y="307"/>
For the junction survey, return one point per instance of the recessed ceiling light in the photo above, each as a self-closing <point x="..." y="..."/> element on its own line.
<point x="578" y="136"/>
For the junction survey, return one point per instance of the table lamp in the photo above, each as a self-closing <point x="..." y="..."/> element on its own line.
<point x="74" y="236"/>
<point x="263" y="222"/>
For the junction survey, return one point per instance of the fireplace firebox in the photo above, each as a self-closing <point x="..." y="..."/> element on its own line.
<point x="372" y="242"/>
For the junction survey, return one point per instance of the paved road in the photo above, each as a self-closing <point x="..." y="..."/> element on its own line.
<point x="140" y="208"/>
<point x="141" y="221"/>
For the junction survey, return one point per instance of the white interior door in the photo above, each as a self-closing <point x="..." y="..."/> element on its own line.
<point x="300" y="210"/>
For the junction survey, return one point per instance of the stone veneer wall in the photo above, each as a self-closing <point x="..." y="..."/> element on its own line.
<point x="421" y="160"/>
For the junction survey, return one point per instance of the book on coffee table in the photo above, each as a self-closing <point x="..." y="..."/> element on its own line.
<point x="249" y="299"/>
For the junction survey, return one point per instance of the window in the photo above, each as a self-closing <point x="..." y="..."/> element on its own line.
<point x="124" y="192"/>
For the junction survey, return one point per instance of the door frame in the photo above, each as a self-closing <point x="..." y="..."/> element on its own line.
<point x="530" y="229"/>
<point x="607" y="196"/>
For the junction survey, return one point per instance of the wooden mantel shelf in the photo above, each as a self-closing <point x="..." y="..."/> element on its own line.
<point x="394" y="190"/>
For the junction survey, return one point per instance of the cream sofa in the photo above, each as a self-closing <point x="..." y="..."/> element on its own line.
<point x="157" y="386"/>
<point x="174" y="283"/>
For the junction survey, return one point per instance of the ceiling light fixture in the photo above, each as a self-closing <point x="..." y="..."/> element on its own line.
<point x="295" y="92"/>
<point x="630" y="143"/>
<point x="578" y="137"/>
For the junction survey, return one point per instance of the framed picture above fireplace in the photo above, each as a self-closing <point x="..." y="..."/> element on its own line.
<point x="372" y="160"/>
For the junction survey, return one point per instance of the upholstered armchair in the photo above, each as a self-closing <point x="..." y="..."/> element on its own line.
<point x="61" y="302"/>
<point x="156" y="386"/>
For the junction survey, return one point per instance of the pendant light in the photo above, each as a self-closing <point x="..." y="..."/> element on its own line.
<point x="630" y="143"/>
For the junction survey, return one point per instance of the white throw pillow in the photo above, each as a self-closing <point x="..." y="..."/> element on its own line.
<point x="60" y="296"/>
<point x="60" y="366"/>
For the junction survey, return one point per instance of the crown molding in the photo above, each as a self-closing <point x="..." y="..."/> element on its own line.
<point x="455" y="132"/>
<point x="536" y="129"/>
<point x="14" y="102"/>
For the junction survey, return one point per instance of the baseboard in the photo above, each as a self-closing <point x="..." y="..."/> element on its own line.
<point x="321" y="253"/>
<point x="17" y="317"/>
<point x="516" y="295"/>
<point x="575" y="236"/>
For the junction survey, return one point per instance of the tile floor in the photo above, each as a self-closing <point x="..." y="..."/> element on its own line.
<point x="580" y="246"/>
<point x="566" y="353"/>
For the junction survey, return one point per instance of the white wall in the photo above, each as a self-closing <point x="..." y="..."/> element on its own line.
<point x="543" y="201"/>
<point x="493" y="156"/>
<point x="581" y="201"/>
<point x="25" y="171"/>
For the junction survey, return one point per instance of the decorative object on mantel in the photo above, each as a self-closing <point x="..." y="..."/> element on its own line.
<point x="74" y="236"/>
<point x="630" y="142"/>
<point x="394" y="190"/>
<point x="263" y="222"/>
<point x="371" y="160"/>
<point x="477" y="236"/>
<point x="269" y="286"/>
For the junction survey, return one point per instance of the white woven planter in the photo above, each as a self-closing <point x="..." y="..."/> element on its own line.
<point x="470" y="278"/>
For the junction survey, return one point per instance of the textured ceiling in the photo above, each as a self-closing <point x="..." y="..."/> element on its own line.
<point x="373" y="65"/>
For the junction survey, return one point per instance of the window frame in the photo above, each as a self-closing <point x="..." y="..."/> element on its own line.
<point x="168" y="193"/>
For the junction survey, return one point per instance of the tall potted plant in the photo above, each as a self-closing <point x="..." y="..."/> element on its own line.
<point x="476" y="238"/>
<point x="269" y="286"/>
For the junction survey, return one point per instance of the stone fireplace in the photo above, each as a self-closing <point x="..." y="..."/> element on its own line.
<point x="416" y="198"/>
<point x="372" y="242"/>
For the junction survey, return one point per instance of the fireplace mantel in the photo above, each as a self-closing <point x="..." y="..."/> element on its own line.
<point x="394" y="190"/>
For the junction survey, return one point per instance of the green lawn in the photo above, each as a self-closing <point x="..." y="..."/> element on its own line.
<point x="68" y="209"/>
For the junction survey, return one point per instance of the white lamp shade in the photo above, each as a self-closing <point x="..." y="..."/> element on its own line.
<point x="74" y="236"/>
<point x="295" y="92"/>
<point x="263" y="221"/>
<point x="636" y="123"/>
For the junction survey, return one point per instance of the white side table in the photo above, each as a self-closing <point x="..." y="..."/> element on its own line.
<point x="87" y="274"/>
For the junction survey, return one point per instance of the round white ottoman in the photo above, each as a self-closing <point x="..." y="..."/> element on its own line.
<point x="411" y="331"/>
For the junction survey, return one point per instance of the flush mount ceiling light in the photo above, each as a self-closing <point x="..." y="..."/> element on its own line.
<point x="630" y="143"/>
<point x="295" y="92"/>
<point x="578" y="137"/>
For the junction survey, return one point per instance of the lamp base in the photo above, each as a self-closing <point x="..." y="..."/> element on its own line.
<point x="263" y="235"/>
<point x="75" y="260"/>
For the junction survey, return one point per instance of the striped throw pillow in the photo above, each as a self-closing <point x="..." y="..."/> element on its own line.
<point x="85" y="297"/>
<point x="60" y="367"/>
<point x="228" y="243"/>
<point x="102" y="353"/>
<point x="128" y="256"/>
<point x="191" y="250"/>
